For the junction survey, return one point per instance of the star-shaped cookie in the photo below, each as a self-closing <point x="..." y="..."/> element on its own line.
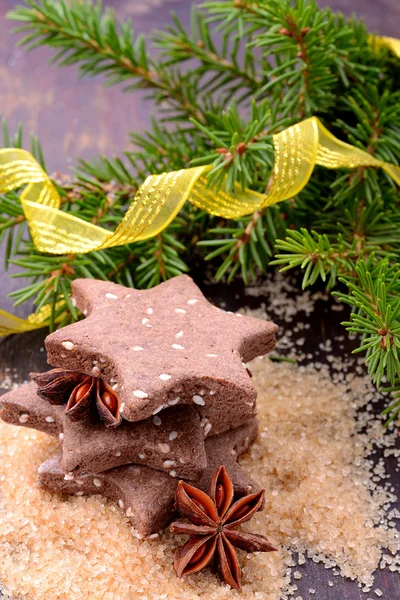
<point x="173" y="443"/>
<point x="162" y="347"/>
<point x="147" y="496"/>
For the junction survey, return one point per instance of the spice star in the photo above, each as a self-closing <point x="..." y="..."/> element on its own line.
<point x="81" y="394"/>
<point x="164" y="346"/>
<point x="213" y="528"/>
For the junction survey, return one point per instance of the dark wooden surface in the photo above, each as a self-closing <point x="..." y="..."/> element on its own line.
<point x="78" y="118"/>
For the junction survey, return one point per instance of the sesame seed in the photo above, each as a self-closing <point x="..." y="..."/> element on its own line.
<point x="61" y="437"/>
<point x="198" y="400"/>
<point x="68" y="345"/>
<point x="68" y="476"/>
<point x="118" y="454"/>
<point x="173" y="435"/>
<point x="174" y="401"/>
<point x="49" y="419"/>
<point x="149" y="311"/>
<point x="212" y="355"/>
<point x="96" y="371"/>
<point x="165" y="377"/>
<point x="202" y="392"/>
<point x="154" y="536"/>
<point x="129" y="512"/>
<point x="168" y="463"/>
<point x="207" y="429"/>
<point x="97" y="482"/>
<point x="193" y="301"/>
<point x="172" y="473"/>
<point x="73" y="300"/>
<point x="179" y="334"/>
<point x="140" y="394"/>
<point x="142" y="456"/>
<point x="111" y="296"/>
<point x="79" y="493"/>
<point x="121" y="503"/>
<point x="23" y="418"/>
<point x="177" y="347"/>
<point x="212" y="392"/>
<point x="137" y="348"/>
<point x="158" y="409"/>
<point x="181" y="311"/>
<point x="115" y="386"/>
<point x="157" y="421"/>
<point x="145" y="320"/>
<point x="164" y="448"/>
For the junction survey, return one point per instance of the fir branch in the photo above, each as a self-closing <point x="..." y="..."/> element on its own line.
<point x="246" y="245"/>
<point x="374" y="295"/>
<point x="317" y="255"/>
<point x="160" y="260"/>
<point x="177" y="46"/>
<point x="242" y="152"/>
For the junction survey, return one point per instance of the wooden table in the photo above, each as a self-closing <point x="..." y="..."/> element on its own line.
<point x="78" y="119"/>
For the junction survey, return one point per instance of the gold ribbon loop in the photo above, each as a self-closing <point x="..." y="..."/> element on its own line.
<point x="297" y="150"/>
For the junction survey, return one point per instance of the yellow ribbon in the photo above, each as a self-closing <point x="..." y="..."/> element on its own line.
<point x="297" y="150"/>
<point x="386" y="42"/>
<point x="11" y="324"/>
<point x="157" y="202"/>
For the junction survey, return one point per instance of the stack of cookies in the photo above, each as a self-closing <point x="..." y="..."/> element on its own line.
<point x="151" y="387"/>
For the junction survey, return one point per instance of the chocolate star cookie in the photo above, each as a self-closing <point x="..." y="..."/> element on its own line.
<point x="162" y="347"/>
<point x="147" y="496"/>
<point x="172" y="442"/>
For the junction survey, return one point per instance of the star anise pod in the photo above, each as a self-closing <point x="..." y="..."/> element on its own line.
<point x="81" y="393"/>
<point x="214" y="521"/>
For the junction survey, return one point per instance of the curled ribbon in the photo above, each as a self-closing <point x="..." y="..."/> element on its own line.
<point x="159" y="199"/>
<point x="297" y="150"/>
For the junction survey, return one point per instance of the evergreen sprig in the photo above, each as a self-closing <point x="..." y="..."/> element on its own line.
<point x="244" y="70"/>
